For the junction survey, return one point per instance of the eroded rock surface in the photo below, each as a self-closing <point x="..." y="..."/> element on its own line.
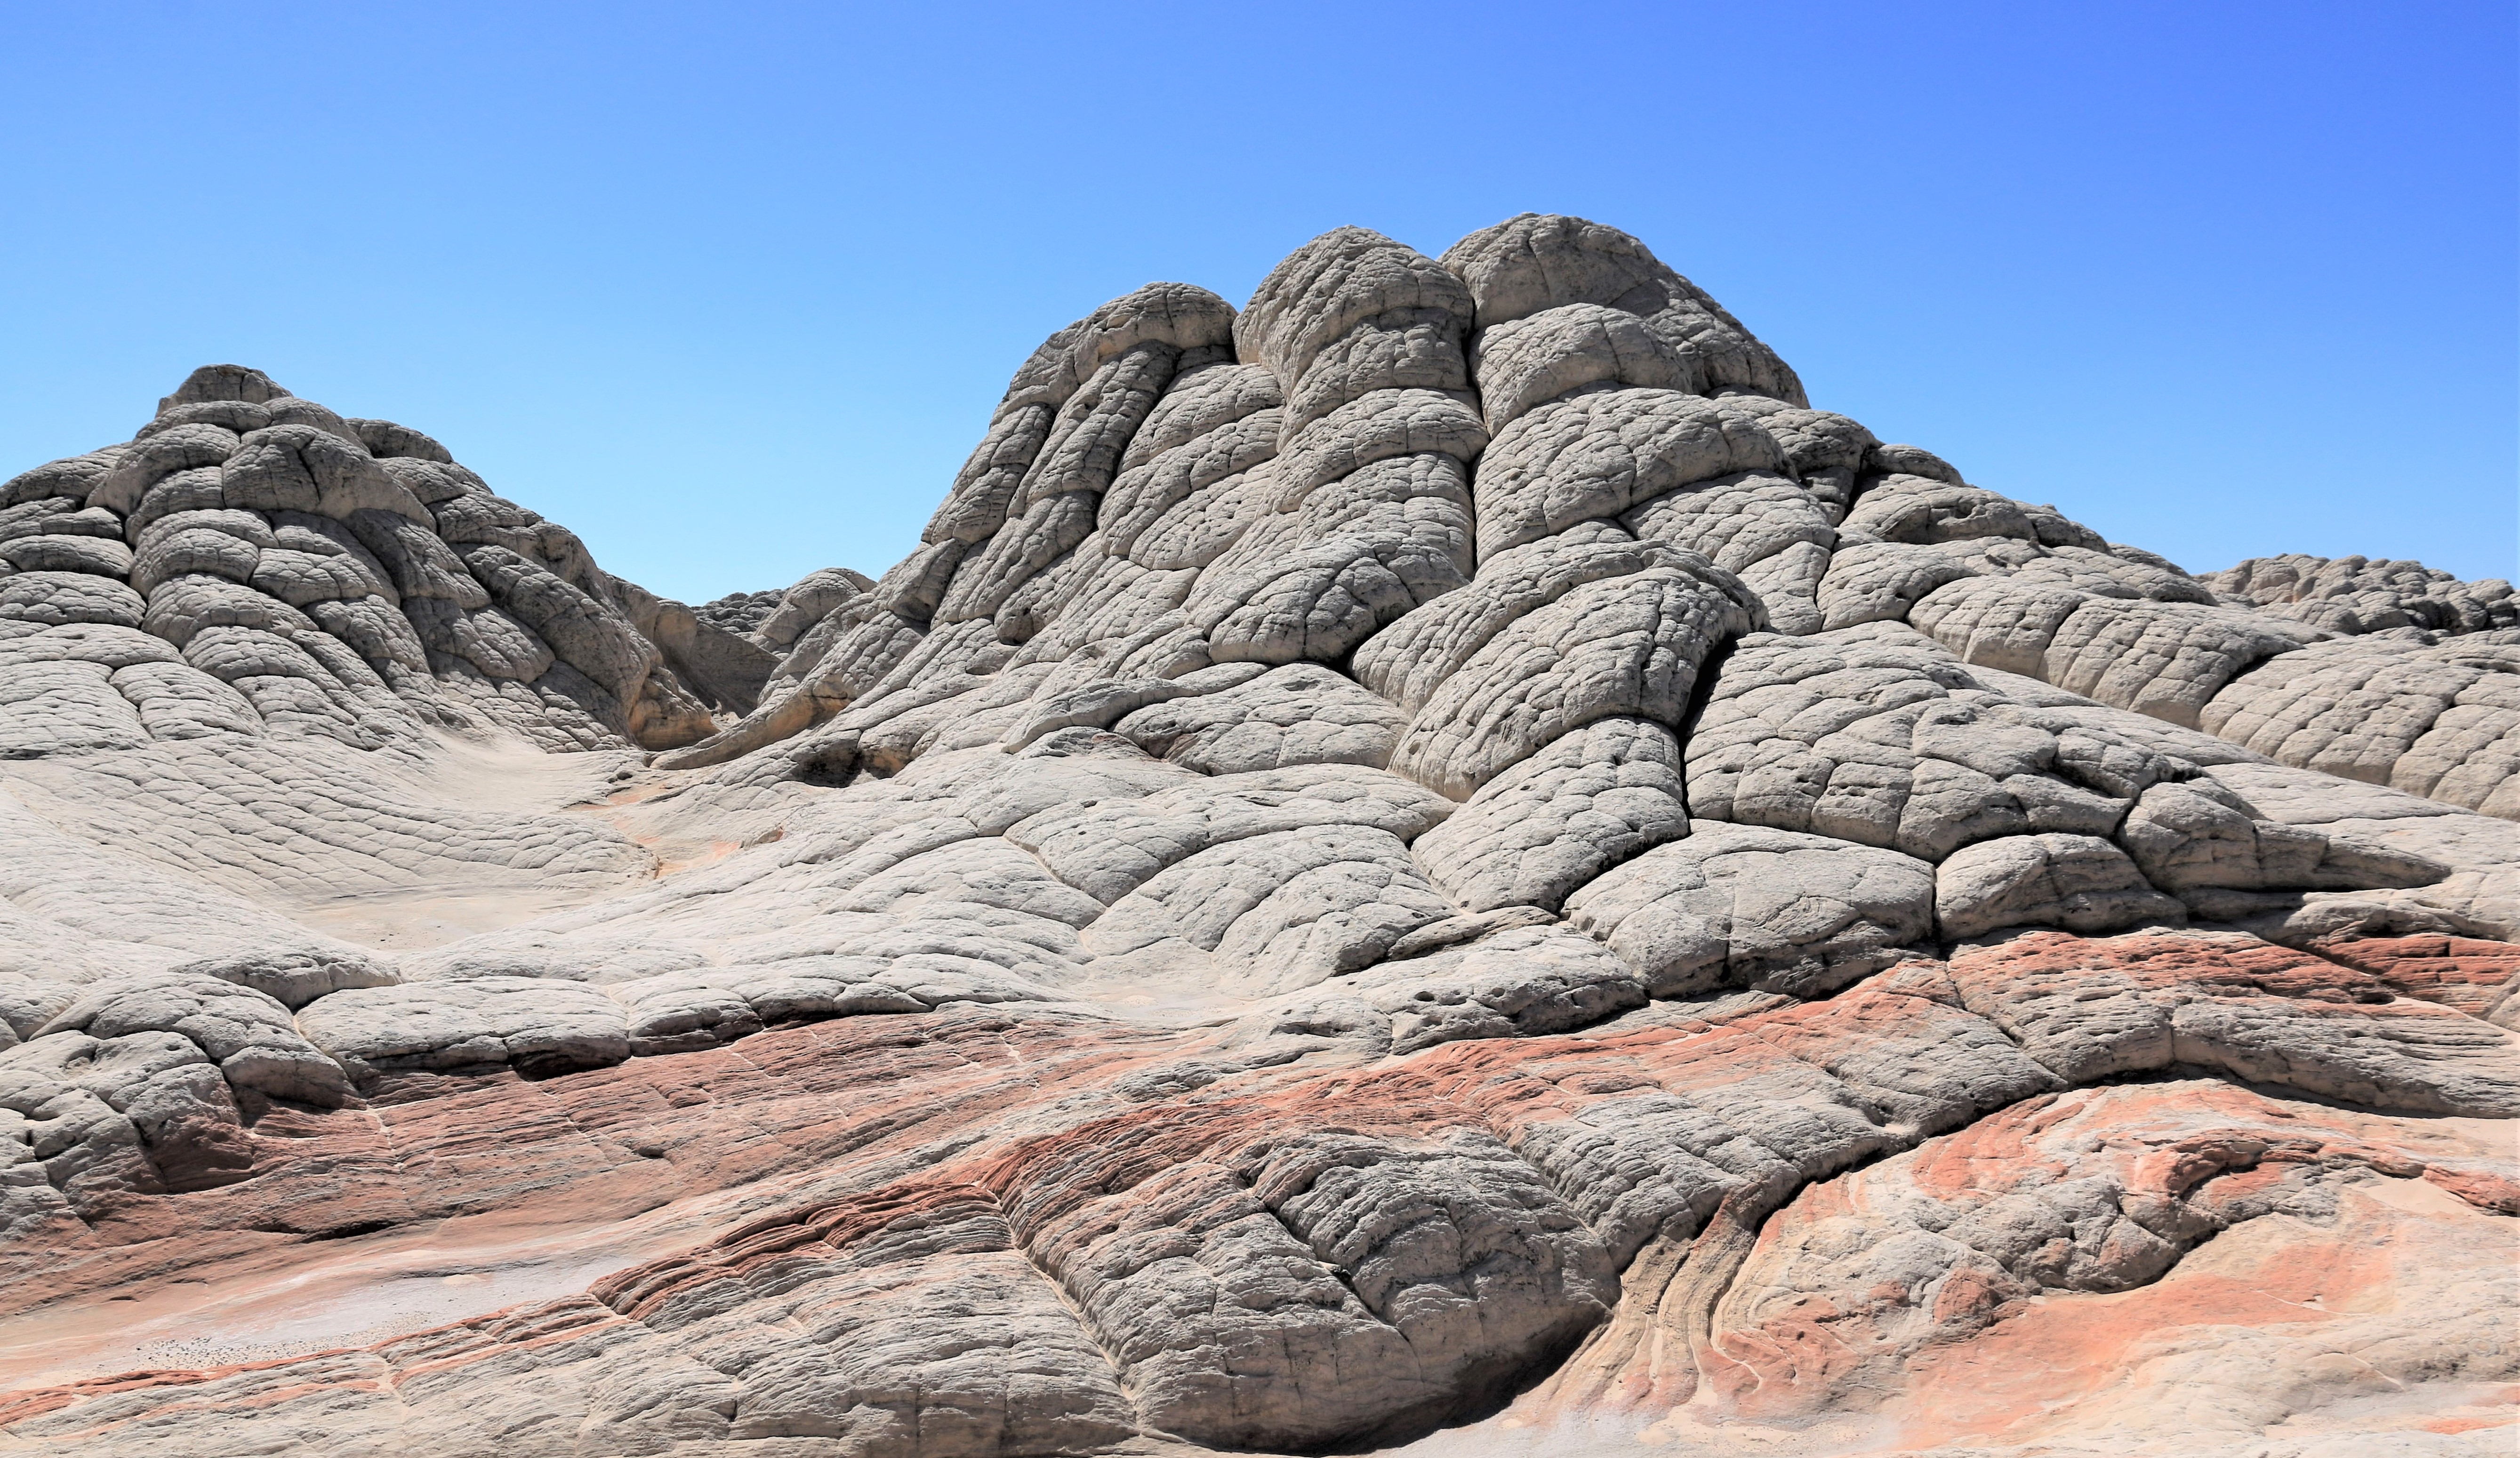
<point x="1436" y="859"/>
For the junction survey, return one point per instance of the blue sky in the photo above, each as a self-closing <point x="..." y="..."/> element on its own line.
<point x="730" y="289"/>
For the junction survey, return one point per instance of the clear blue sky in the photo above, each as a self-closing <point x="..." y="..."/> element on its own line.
<point x="731" y="288"/>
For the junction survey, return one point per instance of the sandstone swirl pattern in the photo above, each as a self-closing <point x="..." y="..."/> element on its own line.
<point x="1436" y="858"/>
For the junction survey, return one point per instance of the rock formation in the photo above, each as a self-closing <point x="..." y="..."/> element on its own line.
<point x="1436" y="859"/>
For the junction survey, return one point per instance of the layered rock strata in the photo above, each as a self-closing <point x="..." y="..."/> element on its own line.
<point x="1438" y="857"/>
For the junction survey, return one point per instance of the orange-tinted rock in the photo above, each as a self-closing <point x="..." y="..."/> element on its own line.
<point x="2475" y="977"/>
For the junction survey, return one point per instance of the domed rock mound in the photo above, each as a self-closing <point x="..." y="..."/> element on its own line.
<point x="1438" y="857"/>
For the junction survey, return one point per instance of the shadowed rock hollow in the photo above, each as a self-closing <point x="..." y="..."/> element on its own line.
<point x="1439" y="859"/>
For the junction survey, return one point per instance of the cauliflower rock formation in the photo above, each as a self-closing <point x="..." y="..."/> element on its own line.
<point x="1435" y="859"/>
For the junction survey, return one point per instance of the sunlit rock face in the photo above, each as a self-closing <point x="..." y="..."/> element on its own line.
<point x="1438" y="860"/>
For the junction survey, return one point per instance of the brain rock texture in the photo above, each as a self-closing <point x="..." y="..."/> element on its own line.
<point x="1436" y="860"/>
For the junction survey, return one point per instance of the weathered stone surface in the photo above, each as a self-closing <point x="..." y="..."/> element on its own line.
<point x="1301" y="714"/>
<point x="1108" y="850"/>
<point x="1961" y="1255"/>
<point x="245" y="1031"/>
<point x="531" y="1023"/>
<point x="1738" y="906"/>
<point x="1292" y="906"/>
<point x="1437" y="852"/>
<point x="1530" y="263"/>
<point x="1602" y="454"/>
<point x="1604" y="794"/>
<point x="1761" y="526"/>
<point x="2092" y="1010"/>
<point x="1621" y="646"/>
<point x="2410" y="716"/>
<point x="1368" y="513"/>
<point x="2355" y="594"/>
<point x="2079" y="882"/>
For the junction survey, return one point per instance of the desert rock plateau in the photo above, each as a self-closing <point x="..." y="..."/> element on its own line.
<point x="1435" y="862"/>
